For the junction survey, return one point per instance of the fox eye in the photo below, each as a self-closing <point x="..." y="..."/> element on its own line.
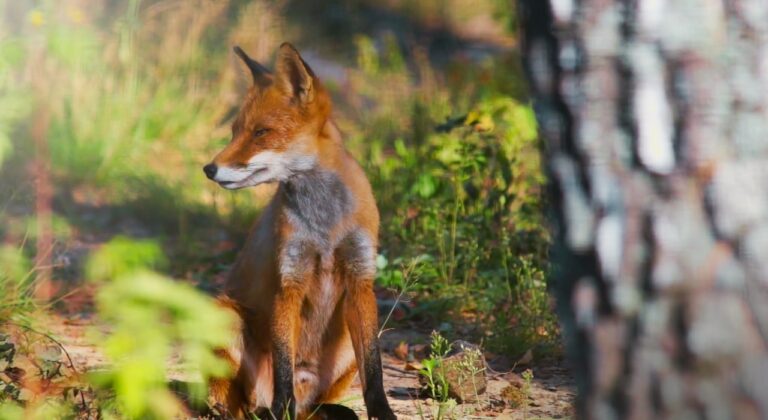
<point x="260" y="132"/>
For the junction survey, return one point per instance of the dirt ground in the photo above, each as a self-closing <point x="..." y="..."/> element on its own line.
<point x="550" y="395"/>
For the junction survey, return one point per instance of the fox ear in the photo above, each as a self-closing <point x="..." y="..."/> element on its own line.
<point x="293" y="75"/>
<point x="260" y="73"/>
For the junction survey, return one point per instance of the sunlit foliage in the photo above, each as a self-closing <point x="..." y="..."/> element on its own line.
<point x="149" y="316"/>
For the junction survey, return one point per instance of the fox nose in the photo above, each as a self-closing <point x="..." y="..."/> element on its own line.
<point x="210" y="170"/>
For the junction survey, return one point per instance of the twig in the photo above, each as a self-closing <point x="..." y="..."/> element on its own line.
<point x="404" y="373"/>
<point x="406" y="277"/>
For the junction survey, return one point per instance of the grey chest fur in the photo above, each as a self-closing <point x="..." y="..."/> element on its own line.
<point x="315" y="202"/>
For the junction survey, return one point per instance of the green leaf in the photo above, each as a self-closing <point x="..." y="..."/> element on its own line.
<point x="123" y="255"/>
<point x="11" y="53"/>
<point x="381" y="262"/>
<point x="5" y="147"/>
<point x="425" y="186"/>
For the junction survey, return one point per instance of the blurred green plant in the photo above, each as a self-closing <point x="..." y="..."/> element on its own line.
<point x="27" y="228"/>
<point x="115" y="108"/>
<point x="130" y="122"/>
<point x="16" y="284"/>
<point x="150" y="317"/>
<point x="51" y="409"/>
<point x="15" y="103"/>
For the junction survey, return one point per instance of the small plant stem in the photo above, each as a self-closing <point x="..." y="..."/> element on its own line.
<point x="454" y="223"/>
<point x="403" y="290"/>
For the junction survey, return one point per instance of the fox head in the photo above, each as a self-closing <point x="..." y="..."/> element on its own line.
<point x="275" y="134"/>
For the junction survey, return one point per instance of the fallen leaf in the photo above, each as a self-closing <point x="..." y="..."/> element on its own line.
<point x="401" y="351"/>
<point x="413" y="366"/>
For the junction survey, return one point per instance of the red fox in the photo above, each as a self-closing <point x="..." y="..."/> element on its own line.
<point x="302" y="286"/>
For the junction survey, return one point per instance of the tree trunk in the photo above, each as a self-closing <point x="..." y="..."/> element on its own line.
<point x="655" y="118"/>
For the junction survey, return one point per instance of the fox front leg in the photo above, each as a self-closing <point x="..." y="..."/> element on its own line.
<point x="362" y="320"/>
<point x="361" y="317"/>
<point x="285" y="333"/>
<point x="295" y="265"/>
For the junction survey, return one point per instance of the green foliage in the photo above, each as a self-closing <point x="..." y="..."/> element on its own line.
<point x="151" y="316"/>
<point x="15" y="102"/>
<point x="49" y="410"/>
<point x="469" y="367"/>
<point x="439" y="346"/>
<point x="16" y="284"/>
<point x="119" y="112"/>
<point x="526" y="391"/>
<point x="461" y="193"/>
<point x="123" y="256"/>
<point x="460" y="375"/>
<point x="28" y="228"/>
<point x="433" y="369"/>
<point x="433" y="376"/>
<point x="519" y="327"/>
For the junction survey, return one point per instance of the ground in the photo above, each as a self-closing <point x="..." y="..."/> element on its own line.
<point x="550" y="395"/>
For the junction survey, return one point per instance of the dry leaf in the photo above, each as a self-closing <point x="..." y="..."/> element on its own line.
<point x="401" y="351"/>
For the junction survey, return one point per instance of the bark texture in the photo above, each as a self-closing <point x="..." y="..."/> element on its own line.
<point x="655" y="120"/>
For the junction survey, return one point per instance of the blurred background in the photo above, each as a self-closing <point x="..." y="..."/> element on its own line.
<point x="109" y="109"/>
